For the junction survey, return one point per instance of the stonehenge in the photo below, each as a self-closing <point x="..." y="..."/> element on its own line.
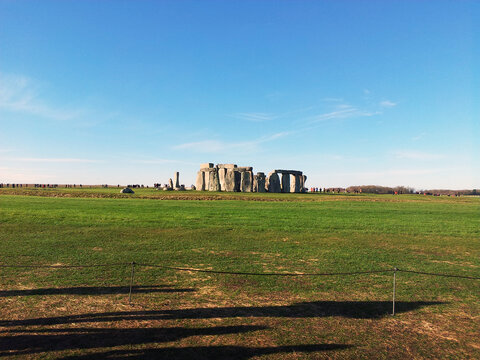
<point x="230" y="177"/>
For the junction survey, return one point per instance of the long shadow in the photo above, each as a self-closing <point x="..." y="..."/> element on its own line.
<point x="210" y="352"/>
<point x="94" y="290"/>
<point x="348" y="309"/>
<point x="44" y="340"/>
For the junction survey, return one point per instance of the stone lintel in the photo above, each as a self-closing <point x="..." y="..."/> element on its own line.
<point x="245" y="168"/>
<point x="226" y="166"/>
<point x="292" y="172"/>
<point x="206" y="165"/>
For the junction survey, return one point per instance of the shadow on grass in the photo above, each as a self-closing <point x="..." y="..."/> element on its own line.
<point x="23" y="342"/>
<point x="93" y="290"/>
<point x="209" y="352"/>
<point x="348" y="309"/>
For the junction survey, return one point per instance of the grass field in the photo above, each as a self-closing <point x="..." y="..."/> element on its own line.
<point x="80" y="312"/>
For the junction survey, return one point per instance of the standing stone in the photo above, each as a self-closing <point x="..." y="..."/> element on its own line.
<point x="274" y="183"/>
<point x="200" y="183"/>
<point x="246" y="181"/>
<point x="213" y="181"/>
<point x="170" y="183"/>
<point x="238" y="180"/>
<point x="176" y="180"/>
<point x="222" y="172"/>
<point x="285" y="182"/>
<point x="230" y="180"/>
<point x="259" y="182"/>
<point x="293" y="183"/>
<point x="303" y="180"/>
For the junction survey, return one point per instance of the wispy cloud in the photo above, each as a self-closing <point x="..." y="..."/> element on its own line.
<point x="254" y="116"/>
<point x="342" y="111"/>
<point x="18" y="93"/>
<point x="164" y="161"/>
<point x="213" y="146"/>
<point x="418" y="137"/>
<point x="417" y="155"/>
<point x="387" y="104"/>
<point x="52" y="160"/>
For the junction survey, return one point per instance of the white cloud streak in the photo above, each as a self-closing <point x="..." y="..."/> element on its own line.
<point x="53" y="160"/>
<point x="19" y="94"/>
<point x="343" y="111"/>
<point x="213" y="146"/>
<point x="417" y="155"/>
<point x="254" y="116"/>
<point x="387" y="103"/>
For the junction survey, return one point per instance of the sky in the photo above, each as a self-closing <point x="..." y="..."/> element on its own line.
<point x="349" y="92"/>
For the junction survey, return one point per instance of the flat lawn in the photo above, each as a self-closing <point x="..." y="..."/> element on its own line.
<point x="84" y="312"/>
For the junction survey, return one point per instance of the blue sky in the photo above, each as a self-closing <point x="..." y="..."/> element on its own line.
<point x="350" y="92"/>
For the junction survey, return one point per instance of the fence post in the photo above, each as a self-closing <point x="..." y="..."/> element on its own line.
<point x="394" y="289"/>
<point x="131" y="283"/>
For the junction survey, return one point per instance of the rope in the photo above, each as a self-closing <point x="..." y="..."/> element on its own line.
<point x="241" y="272"/>
<point x="437" y="274"/>
<point x="63" y="266"/>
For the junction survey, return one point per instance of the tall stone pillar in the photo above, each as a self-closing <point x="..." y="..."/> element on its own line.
<point x="294" y="183"/>
<point x="222" y="172"/>
<point x="246" y="181"/>
<point x="238" y="181"/>
<point x="274" y="183"/>
<point x="230" y="180"/>
<point x="213" y="181"/>
<point x="200" y="183"/>
<point x="176" y="180"/>
<point x="259" y="182"/>
<point x="285" y="182"/>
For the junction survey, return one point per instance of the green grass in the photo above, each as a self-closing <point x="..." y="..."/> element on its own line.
<point x="256" y="233"/>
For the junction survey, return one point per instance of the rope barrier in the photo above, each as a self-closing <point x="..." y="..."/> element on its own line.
<point x="442" y="275"/>
<point x="242" y="272"/>
<point x="63" y="266"/>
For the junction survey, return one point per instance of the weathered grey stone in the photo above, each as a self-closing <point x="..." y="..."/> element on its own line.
<point x="295" y="172"/>
<point x="193" y="187"/>
<point x="206" y="165"/>
<point x="274" y="183"/>
<point x="176" y="179"/>
<point x="303" y="180"/>
<point x="221" y="177"/>
<point x="127" y="190"/>
<point x="213" y="181"/>
<point x="246" y="182"/>
<point x="259" y="182"/>
<point x="180" y="188"/>
<point x="170" y="183"/>
<point x="238" y="180"/>
<point x="245" y="168"/>
<point x="230" y="180"/>
<point x="200" y="183"/>
<point x="285" y="182"/>
<point x="295" y="183"/>
<point x="226" y="166"/>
